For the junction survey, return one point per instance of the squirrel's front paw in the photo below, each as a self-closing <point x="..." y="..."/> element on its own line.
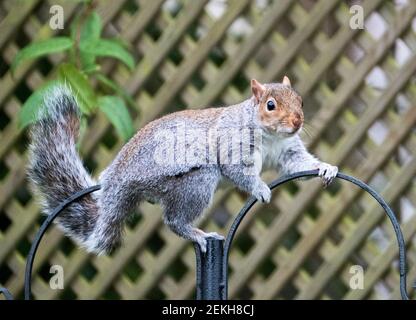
<point x="327" y="173"/>
<point x="262" y="192"/>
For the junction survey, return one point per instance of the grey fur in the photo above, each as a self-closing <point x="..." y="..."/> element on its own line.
<point x="55" y="169"/>
<point x="184" y="188"/>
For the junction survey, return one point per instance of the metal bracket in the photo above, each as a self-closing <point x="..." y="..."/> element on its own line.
<point x="208" y="268"/>
<point x="212" y="266"/>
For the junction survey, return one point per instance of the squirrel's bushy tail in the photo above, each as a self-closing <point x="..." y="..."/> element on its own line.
<point x="55" y="169"/>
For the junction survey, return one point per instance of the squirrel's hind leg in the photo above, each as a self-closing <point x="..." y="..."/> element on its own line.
<point x="179" y="216"/>
<point x="188" y="232"/>
<point x="186" y="200"/>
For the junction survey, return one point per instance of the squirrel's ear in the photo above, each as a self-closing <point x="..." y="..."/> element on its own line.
<point x="286" y="81"/>
<point x="258" y="89"/>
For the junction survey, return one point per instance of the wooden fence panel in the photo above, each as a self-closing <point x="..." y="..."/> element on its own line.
<point x="359" y="89"/>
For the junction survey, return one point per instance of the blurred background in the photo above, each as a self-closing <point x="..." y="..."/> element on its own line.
<point x="359" y="89"/>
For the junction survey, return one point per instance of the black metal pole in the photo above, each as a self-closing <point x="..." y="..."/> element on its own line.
<point x="210" y="278"/>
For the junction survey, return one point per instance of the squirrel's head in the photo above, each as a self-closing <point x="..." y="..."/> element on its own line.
<point x="279" y="107"/>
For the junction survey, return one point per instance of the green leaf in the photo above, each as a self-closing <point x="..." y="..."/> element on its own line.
<point x="110" y="48"/>
<point x="116" y="111"/>
<point x="90" y="32"/>
<point x="116" y="88"/>
<point x="92" y="68"/>
<point x="41" y="48"/>
<point x="73" y="28"/>
<point x="80" y="85"/>
<point x="31" y="108"/>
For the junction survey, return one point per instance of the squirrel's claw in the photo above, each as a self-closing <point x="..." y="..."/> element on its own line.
<point x="202" y="242"/>
<point x="214" y="235"/>
<point x="203" y="236"/>
<point x="327" y="173"/>
<point x="262" y="192"/>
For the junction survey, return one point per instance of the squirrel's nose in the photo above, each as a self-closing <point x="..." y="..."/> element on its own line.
<point x="296" y="122"/>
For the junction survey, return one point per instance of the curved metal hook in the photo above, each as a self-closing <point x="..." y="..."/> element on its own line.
<point x="39" y="235"/>
<point x="6" y="294"/>
<point x="312" y="173"/>
<point x="46" y="223"/>
<point x="231" y="234"/>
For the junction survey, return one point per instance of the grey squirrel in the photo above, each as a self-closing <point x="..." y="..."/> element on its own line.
<point x="177" y="161"/>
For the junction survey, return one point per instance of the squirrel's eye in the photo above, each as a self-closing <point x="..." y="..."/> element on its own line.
<point x="270" y="105"/>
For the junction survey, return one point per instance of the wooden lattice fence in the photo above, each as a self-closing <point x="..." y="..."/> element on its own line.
<point x="359" y="89"/>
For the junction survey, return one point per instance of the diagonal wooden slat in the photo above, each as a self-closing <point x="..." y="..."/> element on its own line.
<point x="382" y="263"/>
<point x="222" y="45"/>
<point x="326" y="219"/>
<point x="156" y="55"/>
<point x="173" y="85"/>
<point x="299" y="205"/>
<point x="244" y="52"/>
<point x="15" y="17"/>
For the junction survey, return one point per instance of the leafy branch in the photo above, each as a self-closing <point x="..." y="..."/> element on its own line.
<point x="79" y="69"/>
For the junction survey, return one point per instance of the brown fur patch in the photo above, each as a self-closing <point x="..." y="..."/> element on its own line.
<point x="288" y="108"/>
